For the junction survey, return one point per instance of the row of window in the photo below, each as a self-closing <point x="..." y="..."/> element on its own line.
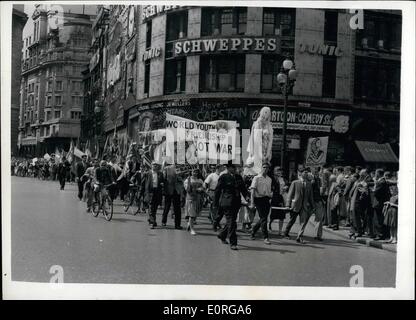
<point x="380" y="32"/>
<point x="227" y="73"/>
<point x="374" y="79"/>
<point x="227" y="21"/>
<point x="75" y="86"/>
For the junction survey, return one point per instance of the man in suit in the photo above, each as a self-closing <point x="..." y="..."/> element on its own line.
<point x="152" y="186"/>
<point x="381" y="192"/>
<point x="62" y="171"/>
<point x="80" y="170"/>
<point x="228" y="193"/>
<point x="173" y="191"/>
<point x="300" y="201"/>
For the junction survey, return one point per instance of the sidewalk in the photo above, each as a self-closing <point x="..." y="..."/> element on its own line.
<point x="343" y="232"/>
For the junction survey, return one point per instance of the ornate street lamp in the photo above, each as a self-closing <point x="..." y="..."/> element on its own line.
<point x="286" y="80"/>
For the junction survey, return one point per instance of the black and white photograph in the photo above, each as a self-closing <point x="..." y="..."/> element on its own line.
<point x="208" y="149"/>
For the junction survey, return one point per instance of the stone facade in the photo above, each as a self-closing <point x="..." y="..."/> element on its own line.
<point x="18" y="22"/>
<point x="54" y="55"/>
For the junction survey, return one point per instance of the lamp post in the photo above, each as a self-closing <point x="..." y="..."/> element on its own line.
<point x="97" y="120"/>
<point x="286" y="80"/>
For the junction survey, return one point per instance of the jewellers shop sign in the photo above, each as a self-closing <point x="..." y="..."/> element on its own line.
<point x="308" y="120"/>
<point x="227" y="45"/>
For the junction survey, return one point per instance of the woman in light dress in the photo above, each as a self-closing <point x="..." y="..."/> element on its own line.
<point x="194" y="187"/>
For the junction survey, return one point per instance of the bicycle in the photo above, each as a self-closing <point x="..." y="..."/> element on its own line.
<point x="130" y="197"/>
<point x="103" y="202"/>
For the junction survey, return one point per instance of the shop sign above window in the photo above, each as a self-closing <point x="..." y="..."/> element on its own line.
<point x="229" y="45"/>
<point x="151" y="11"/>
<point x="321" y="49"/>
<point x="151" y="53"/>
<point x="309" y="120"/>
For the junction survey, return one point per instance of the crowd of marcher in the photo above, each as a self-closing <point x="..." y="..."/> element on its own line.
<point x="361" y="199"/>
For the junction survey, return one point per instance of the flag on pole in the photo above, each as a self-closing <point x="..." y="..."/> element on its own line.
<point x="87" y="149"/>
<point x="77" y="153"/>
<point x="105" y="146"/>
<point x="70" y="155"/>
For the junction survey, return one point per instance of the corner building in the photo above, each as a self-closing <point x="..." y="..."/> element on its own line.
<point x="209" y="63"/>
<point x="51" y="94"/>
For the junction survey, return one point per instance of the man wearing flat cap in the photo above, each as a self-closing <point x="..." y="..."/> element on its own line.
<point x="152" y="186"/>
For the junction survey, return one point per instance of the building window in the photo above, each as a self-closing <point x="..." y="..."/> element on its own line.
<point x="331" y="27"/>
<point x="146" y="77"/>
<point x="58" y="85"/>
<point x="329" y="74"/>
<point x="377" y="80"/>
<point x="47" y="131"/>
<point x="222" y="73"/>
<point x="76" y="86"/>
<point x="176" y="25"/>
<point x="279" y="21"/>
<point x="47" y="115"/>
<point x="381" y="32"/>
<point x="148" y="34"/>
<point x="49" y="101"/>
<point x="225" y="21"/>
<point x="175" y="76"/>
<point x="270" y="68"/>
<point x="76" y="101"/>
<point x="58" y="100"/>
<point x="57" y="114"/>
<point x="75" y="114"/>
<point x="58" y="69"/>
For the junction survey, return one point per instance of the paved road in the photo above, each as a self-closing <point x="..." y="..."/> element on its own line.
<point x="51" y="227"/>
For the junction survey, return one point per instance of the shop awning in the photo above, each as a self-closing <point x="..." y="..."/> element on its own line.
<point x="375" y="152"/>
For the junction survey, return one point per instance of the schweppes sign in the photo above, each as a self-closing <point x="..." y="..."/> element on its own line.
<point x="227" y="45"/>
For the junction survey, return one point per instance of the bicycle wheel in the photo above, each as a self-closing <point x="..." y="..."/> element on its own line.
<point x="108" y="208"/>
<point x="127" y="201"/>
<point x="95" y="209"/>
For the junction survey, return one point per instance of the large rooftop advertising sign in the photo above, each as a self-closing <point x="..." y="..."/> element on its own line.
<point x="229" y="45"/>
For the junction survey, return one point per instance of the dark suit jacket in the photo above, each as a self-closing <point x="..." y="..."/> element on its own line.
<point x="147" y="187"/>
<point x="80" y="169"/>
<point x="381" y="193"/>
<point x="172" y="181"/>
<point x="300" y="198"/>
<point x="229" y="190"/>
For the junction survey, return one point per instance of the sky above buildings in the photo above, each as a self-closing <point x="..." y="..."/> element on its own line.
<point x="30" y="8"/>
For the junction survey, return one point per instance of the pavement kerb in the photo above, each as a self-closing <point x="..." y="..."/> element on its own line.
<point x="365" y="241"/>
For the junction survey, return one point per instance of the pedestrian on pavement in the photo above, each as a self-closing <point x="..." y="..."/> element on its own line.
<point x="359" y="204"/>
<point x="173" y="191"/>
<point x="381" y="195"/>
<point x="62" y="171"/>
<point x="261" y="194"/>
<point x="344" y="189"/>
<point x="300" y="201"/>
<point x="210" y="184"/>
<point x="81" y="167"/>
<point x="324" y="176"/>
<point x="334" y="198"/>
<point x="390" y="213"/>
<point x="152" y="186"/>
<point x="278" y="210"/>
<point x="194" y="187"/>
<point x="315" y="179"/>
<point x="228" y="194"/>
